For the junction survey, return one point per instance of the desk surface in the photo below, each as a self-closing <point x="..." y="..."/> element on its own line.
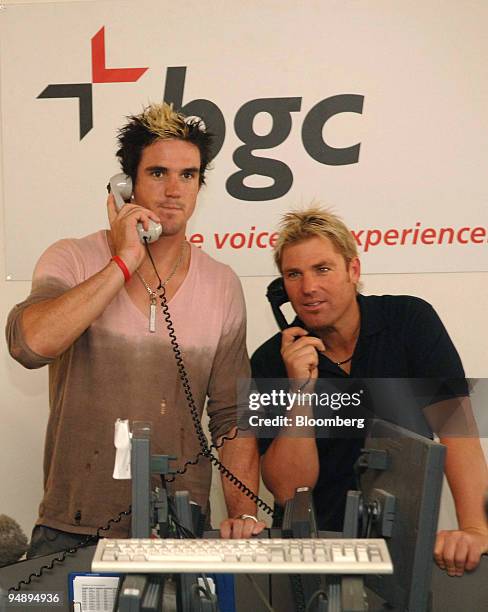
<point x="453" y="594"/>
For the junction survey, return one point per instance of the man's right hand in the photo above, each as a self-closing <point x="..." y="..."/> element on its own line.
<point x="299" y="353"/>
<point x="292" y="461"/>
<point x="125" y="238"/>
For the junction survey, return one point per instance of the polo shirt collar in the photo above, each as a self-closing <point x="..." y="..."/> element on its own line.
<point x="372" y="322"/>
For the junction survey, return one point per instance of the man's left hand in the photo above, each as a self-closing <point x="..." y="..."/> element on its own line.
<point x="236" y="528"/>
<point x="459" y="551"/>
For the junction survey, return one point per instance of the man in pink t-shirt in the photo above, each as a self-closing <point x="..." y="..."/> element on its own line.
<point x="94" y="317"/>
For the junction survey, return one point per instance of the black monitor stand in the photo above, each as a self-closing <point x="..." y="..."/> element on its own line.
<point x="148" y="591"/>
<point x="313" y="592"/>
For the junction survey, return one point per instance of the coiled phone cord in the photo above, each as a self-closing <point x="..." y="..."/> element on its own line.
<point x="206" y="449"/>
<point x="87" y="541"/>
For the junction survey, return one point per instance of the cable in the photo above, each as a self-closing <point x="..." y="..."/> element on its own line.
<point x="89" y="539"/>
<point x="195" y="589"/>
<point x="182" y="530"/>
<point x="372" y="517"/>
<point x="208" y="590"/>
<point x="205" y="448"/>
<point x="315" y="596"/>
<point x="297" y="592"/>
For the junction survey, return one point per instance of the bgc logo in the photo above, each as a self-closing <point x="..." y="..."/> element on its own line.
<point x="279" y="109"/>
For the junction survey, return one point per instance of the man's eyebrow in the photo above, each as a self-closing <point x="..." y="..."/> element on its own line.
<point x="154" y="168"/>
<point x="320" y="264"/>
<point x="191" y="169"/>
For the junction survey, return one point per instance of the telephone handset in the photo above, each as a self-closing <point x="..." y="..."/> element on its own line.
<point x="277" y="296"/>
<point x="121" y="186"/>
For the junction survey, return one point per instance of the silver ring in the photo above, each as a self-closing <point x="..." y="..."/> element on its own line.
<point x="249" y="516"/>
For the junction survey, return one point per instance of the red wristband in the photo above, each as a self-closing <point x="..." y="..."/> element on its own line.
<point x="125" y="270"/>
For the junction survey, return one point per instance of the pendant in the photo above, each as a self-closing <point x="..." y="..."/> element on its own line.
<point x="152" y="313"/>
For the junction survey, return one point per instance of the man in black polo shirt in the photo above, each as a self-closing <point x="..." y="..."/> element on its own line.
<point x="361" y="337"/>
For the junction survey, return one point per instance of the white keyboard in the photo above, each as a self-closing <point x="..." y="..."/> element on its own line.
<point x="254" y="556"/>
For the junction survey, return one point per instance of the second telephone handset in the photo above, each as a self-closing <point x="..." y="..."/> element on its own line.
<point x="121" y="187"/>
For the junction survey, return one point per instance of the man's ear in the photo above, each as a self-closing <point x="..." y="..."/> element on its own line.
<point x="354" y="270"/>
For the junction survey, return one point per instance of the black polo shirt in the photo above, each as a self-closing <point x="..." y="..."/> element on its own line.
<point x="400" y="337"/>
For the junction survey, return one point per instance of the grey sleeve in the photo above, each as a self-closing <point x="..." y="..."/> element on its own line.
<point x="57" y="270"/>
<point x="17" y="346"/>
<point x="230" y="365"/>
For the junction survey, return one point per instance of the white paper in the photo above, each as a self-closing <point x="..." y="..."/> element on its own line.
<point x="94" y="593"/>
<point x="122" y="441"/>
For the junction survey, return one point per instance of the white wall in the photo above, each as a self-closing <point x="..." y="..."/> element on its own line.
<point x="461" y="299"/>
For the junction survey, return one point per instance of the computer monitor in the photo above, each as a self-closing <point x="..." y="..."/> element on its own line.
<point x="414" y="476"/>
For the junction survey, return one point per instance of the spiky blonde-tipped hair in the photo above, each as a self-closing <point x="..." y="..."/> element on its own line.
<point x="160" y="122"/>
<point x="164" y="121"/>
<point x="299" y="225"/>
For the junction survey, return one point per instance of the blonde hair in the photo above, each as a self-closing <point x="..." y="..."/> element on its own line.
<point x="163" y="121"/>
<point x="314" y="221"/>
